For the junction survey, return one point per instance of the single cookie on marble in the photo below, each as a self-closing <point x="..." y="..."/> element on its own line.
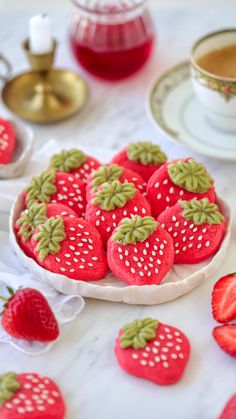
<point x="197" y="228"/>
<point x="35" y="215"/>
<point x="30" y="396"/>
<point x="143" y="157"/>
<point x="7" y="141"/>
<point x="71" y="247"/>
<point x="183" y="179"/>
<point x="113" y="202"/>
<point x="56" y="187"/>
<point x="74" y="161"/>
<point x="229" y="411"/>
<point x="110" y="173"/>
<point x="152" y="350"/>
<point x="140" y="252"/>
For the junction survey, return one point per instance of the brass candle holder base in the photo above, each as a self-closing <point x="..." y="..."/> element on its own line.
<point x="44" y="95"/>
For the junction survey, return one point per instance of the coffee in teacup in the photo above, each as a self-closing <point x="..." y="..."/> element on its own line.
<point x="220" y="62"/>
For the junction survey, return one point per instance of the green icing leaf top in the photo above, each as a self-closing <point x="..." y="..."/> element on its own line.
<point x="49" y="237"/>
<point x="201" y="211"/>
<point x="9" y="385"/>
<point x="41" y="187"/>
<point x="146" y="153"/>
<point x="67" y="160"/>
<point x="190" y="175"/>
<point x="29" y="219"/>
<point x="106" y="174"/>
<point x="138" y="333"/>
<point x="135" y="229"/>
<point x="114" y="195"/>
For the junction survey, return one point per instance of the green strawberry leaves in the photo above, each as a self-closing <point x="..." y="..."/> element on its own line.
<point x="106" y="174"/>
<point x="49" y="237"/>
<point x="135" y="229"/>
<point x="9" y="385"/>
<point x="41" y="187"/>
<point x="114" y="195"/>
<point x="67" y="160"/>
<point x="190" y="176"/>
<point x="29" y="219"/>
<point x="146" y="153"/>
<point x="201" y="211"/>
<point x="138" y="333"/>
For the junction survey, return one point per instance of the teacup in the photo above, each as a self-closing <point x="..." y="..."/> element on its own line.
<point x="216" y="93"/>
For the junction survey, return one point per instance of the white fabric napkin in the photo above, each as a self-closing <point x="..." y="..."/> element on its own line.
<point x="65" y="308"/>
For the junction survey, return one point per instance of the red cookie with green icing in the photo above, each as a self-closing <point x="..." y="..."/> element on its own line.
<point x="140" y="252"/>
<point x="35" y="215"/>
<point x="183" y="179"/>
<point x="7" y="141"/>
<point x="30" y="396"/>
<point x="70" y="247"/>
<point x="110" y="173"/>
<point x="112" y="202"/>
<point x="224" y="299"/>
<point x="56" y="187"/>
<point x="229" y="411"/>
<point x="197" y="228"/>
<point x="74" y="161"/>
<point x="225" y="336"/>
<point x="152" y="350"/>
<point x="143" y="157"/>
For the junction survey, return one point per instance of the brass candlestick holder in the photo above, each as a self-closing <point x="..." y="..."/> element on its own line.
<point x="44" y="95"/>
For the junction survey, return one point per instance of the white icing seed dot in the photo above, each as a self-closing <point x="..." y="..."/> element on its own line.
<point x="174" y="356"/>
<point x="40" y="408"/>
<point x="156" y="343"/>
<point x="204" y="230"/>
<point x="171" y="190"/>
<point x="170" y="344"/>
<point x="177" y="224"/>
<point x="27" y="385"/>
<point x="55" y="393"/>
<point x="132" y="270"/>
<point x="8" y="405"/>
<point x="200" y="238"/>
<point x="143" y="362"/>
<point x="207" y="244"/>
<point x="165" y="364"/>
<point x="155" y="350"/>
<point x="199" y="246"/>
<point x="145" y="355"/>
<point x="159" y="196"/>
<point x="164" y="357"/>
<point x="51" y="401"/>
<point x="176" y="333"/>
<point x="174" y="218"/>
<point x="195" y="229"/>
<point x="157" y="359"/>
<point x="181" y="356"/>
<point x="135" y="209"/>
<point x="21" y="410"/>
<point x="135" y="250"/>
<point x="141" y="273"/>
<point x="178" y="348"/>
<point x="16" y="401"/>
<point x="169" y="336"/>
<point x="157" y="184"/>
<point x="151" y="363"/>
<point x="165" y="349"/>
<point x="67" y="255"/>
<point x="143" y="211"/>
<point x="134" y="356"/>
<point x="126" y="253"/>
<point x="170" y="229"/>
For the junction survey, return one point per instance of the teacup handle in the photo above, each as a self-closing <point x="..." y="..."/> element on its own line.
<point x="8" y="67"/>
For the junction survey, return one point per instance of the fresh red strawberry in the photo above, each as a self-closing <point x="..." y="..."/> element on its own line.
<point x="225" y="336"/>
<point x="152" y="350"/>
<point x="27" y="315"/>
<point x="197" y="228"/>
<point x="183" y="179"/>
<point x="142" y="157"/>
<point x="110" y="173"/>
<point x="74" y="161"/>
<point x="229" y="411"/>
<point x="112" y="203"/>
<point x="224" y="299"/>
<point x="35" y="215"/>
<point x="7" y="141"/>
<point x="139" y="251"/>
<point x="55" y="187"/>
<point x="30" y="396"/>
<point x="70" y="247"/>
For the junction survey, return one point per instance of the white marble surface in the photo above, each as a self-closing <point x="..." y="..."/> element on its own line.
<point x="82" y="362"/>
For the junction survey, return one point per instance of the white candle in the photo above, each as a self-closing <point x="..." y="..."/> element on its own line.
<point x="40" y="34"/>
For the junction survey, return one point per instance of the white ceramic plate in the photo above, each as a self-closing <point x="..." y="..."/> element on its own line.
<point x="175" y="111"/>
<point x="180" y="280"/>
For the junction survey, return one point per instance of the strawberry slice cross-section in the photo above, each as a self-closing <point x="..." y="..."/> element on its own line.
<point x="224" y="299"/>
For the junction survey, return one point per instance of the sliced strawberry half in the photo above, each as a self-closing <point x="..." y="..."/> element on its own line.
<point x="70" y="247"/>
<point x="35" y="215"/>
<point x="182" y="179"/>
<point x="153" y="351"/>
<point x="224" y="299"/>
<point x="225" y="336"/>
<point x="140" y="252"/>
<point x="74" y="161"/>
<point x="229" y="411"/>
<point x="7" y="141"/>
<point x="30" y="396"/>
<point x="54" y="187"/>
<point x="143" y="157"/>
<point x="112" y="203"/>
<point x="110" y="173"/>
<point x="197" y="228"/>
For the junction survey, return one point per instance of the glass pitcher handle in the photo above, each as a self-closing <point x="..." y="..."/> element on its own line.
<point x="8" y="68"/>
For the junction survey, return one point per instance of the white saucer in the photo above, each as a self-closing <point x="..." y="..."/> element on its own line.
<point x="176" y="112"/>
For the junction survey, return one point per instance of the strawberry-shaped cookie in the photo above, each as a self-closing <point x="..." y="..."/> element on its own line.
<point x="27" y="315"/>
<point x="183" y="179"/>
<point x="142" y="157"/>
<point x="7" y="141"/>
<point x="152" y="350"/>
<point x="110" y="173"/>
<point x="224" y="299"/>
<point x="30" y="396"/>
<point x="225" y="336"/>
<point x="197" y="228"/>
<point x="55" y="187"/>
<point x="112" y="203"/>
<point x="229" y="411"/>
<point x="35" y="215"/>
<point x="70" y="247"/>
<point x="75" y="162"/>
<point x="139" y="251"/>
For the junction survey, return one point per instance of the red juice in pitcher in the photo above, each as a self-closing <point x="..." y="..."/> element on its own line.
<point x="111" y="40"/>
